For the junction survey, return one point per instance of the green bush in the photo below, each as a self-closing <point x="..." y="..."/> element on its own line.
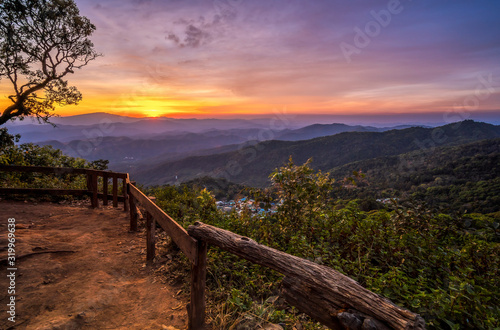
<point x="30" y="154"/>
<point x="442" y="266"/>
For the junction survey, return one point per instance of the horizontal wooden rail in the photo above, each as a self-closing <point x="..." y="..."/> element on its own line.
<point x="43" y="191"/>
<point x="92" y="183"/>
<point x="60" y="170"/>
<point x="178" y="234"/>
<point x="332" y="288"/>
<point x="326" y="295"/>
<point x="195" y="251"/>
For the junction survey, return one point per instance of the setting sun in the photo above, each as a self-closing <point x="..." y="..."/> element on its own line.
<point x="153" y="113"/>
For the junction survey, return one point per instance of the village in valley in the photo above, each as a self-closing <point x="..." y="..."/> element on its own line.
<point x="245" y="203"/>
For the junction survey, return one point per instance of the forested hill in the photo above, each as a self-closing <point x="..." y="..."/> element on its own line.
<point x="462" y="178"/>
<point x="251" y="165"/>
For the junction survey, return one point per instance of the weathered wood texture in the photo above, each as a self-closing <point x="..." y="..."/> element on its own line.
<point x="321" y="306"/>
<point x="42" y="191"/>
<point x="306" y="299"/>
<point x="133" y="214"/>
<point x="197" y="305"/>
<point x="342" y="292"/>
<point x="105" y="179"/>
<point x="91" y="178"/>
<point x="58" y="170"/>
<point x="179" y="235"/>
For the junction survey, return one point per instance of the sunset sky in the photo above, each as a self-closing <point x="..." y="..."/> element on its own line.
<point x="237" y="58"/>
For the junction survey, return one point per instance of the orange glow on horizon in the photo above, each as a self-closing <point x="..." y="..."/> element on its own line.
<point x="184" y="105"/>
<point x="155" y="66"/>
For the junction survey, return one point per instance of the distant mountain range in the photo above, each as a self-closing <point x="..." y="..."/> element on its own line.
<point x="318" y="130"/>
<point x="455" y="165"/>
<point x="125" y="150"/>
<point x="253" y="162"/>
<point x="100" y="125"/>
<point x="127" y="141"/>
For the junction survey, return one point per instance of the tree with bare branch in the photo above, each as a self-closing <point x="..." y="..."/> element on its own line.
<point x="41" y="42"/>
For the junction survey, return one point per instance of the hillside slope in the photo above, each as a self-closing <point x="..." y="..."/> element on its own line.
<point x="123" y="149"/>
<point x="150" y="141"/>
<point x="252" y="164"/>
<point x="465" y="177"/>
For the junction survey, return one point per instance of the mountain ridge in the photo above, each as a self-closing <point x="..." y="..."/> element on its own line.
<point x="146" y="140"/>
<point x="252" y="163"/>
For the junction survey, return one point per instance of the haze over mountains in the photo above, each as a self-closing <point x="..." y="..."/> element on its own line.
<point x="126" y="140"/>
<point x="171" y="151"/>
<point x="96" y="125"/>
<point x="252" y="164"/>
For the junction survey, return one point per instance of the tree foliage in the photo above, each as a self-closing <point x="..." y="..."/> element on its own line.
<point x="29" y="154"/>
<point x="6" y="139"/>
<point x="443" y="266"/>
<point x="302" y="193"/>
<point x="464" y="178"/>
<point x="41" y="42"/>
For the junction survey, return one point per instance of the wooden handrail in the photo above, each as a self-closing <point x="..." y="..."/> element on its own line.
<point x="178" y="234"/>
<point x="59" y="170"/>
<point x="92" y="183"/>
<point x="326" y="289"/>
<point x="326" y="295"/>
<point x="40" y="191"/>
<point x="194" y="250"/>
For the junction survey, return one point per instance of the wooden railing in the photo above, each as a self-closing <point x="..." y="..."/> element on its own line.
<point x="93" y="190"/>
<point x="323" y="293"/>
<point x="326" y="295"/>
<point x="195" y="251"/>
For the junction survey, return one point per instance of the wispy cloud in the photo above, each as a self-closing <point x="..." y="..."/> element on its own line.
<point x="257" y="54"/>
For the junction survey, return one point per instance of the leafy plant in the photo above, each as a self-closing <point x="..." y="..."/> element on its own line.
<point x="29" y="154"/>
<point x="442" y="266"/>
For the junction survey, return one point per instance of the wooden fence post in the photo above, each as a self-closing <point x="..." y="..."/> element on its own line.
<point x="115" y="191"/>
<point x="196" y="308"/>
<point x="94" y="199"/>
<point x="126" y="182"/>
<point x="328" y="288"/>
<point x="150" y="237"/>
<point x="89" y="182"/>
<point x="105" y="189"/>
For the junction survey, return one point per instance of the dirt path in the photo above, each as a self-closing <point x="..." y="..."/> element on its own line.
<point x="103" y="284"/>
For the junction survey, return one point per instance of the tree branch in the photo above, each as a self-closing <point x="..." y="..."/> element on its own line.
<point x="49" y="34"/>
